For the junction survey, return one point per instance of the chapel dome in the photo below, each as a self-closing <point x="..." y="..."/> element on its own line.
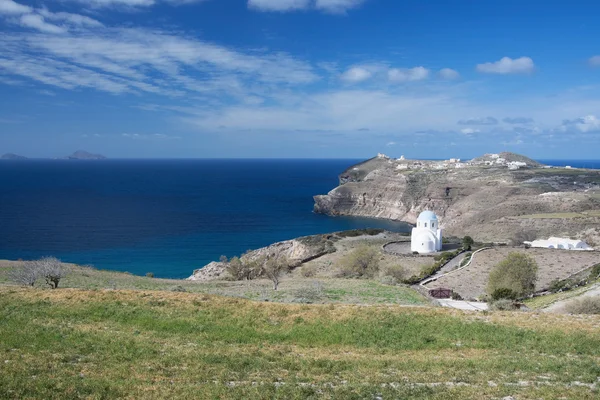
<point x="427" y="216"/>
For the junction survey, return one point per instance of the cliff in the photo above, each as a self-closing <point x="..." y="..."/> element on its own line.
<point x="490" y="198"/>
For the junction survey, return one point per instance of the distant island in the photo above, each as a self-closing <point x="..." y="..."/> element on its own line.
<point x="11" y="156"/>
<point x="84" y="155"/>
<point x="78" y="155"/>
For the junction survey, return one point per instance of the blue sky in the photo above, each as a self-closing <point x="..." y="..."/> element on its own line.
<point x="300" y="78"/>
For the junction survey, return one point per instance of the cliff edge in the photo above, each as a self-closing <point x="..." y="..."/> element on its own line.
<point x="492" y="197"/>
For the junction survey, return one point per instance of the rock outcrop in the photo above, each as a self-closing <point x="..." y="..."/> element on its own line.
<point x="471" y="198"/>
<point x="298" y="251"/>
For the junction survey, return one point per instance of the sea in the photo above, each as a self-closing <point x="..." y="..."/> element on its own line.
<point x="168" y="217"/>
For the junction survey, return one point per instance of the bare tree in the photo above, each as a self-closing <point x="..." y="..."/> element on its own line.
<point x="53" y="270"/>
<point x="27" y="274"/>
<point x="274" y="267"/>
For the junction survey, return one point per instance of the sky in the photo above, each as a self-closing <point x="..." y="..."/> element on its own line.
<point x="300" y="78"/>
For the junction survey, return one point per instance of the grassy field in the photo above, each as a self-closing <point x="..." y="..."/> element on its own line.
<point x="106" y="344"/>
<point x="314" y="290"/>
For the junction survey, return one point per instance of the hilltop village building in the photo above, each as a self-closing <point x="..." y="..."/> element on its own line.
<point x="560" y="243"/>
<point x="426" y="236"/>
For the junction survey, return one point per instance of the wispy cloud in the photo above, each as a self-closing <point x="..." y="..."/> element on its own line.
<point x="595" y="61"/>
<point x="329" y="6"/>
<point x="587" y="124"/>
<point x="507" y="65"/>
<point x="449" y="74"/>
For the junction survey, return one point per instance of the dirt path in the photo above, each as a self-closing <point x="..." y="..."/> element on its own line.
<point x="558" y="307"/>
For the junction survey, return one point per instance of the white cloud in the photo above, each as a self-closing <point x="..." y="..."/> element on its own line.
<point x="356" y="74"/>
<point x="390" y="143"/>
<point x="74" y="19"/>
<point x="132" y="3"/>
<point x="469" y="131"/>
<point x="449" y="74"/>
<point x="11" y="8"/>
<point x="36" y="21"/>
<point x="330" y="6"/>
<point x="595" y="61"/>
<point x="507" y="65"/>
<point x="587" y="124"/>
<point x="407" y="75"/>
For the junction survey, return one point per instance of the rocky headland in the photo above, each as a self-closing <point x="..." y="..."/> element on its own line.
<point x="492" y="198"/>
<point x="84" y="155"/>
<point x="12" y="156"/>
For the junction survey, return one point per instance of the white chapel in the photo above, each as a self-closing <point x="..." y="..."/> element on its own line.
<point x="426" y="236"/>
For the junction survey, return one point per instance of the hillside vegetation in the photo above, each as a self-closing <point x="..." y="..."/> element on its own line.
<point x="70" y="343"/>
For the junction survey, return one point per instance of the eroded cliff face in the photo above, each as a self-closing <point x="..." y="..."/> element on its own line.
<point x="484" y="200"/>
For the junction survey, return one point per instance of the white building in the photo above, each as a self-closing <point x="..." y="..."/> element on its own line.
<point x="426" y="236"/>
<point x="560" y="243"/>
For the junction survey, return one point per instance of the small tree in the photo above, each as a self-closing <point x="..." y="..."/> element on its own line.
<point x="52" y="269"/>
<point x="467" y="242"/>
<point x="223" y="259"/>
<point x="516" y="274"/>
<point x="26" y="275"/>
<point x="235" y="268"/>
<point x="362" y="262"/>
<point x="274" y="267"/>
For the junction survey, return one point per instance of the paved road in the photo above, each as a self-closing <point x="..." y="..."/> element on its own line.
<point x="463" y="305"/>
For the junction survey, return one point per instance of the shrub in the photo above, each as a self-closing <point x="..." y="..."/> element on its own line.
<point x="274" y="267"/>
<point x="467" y="242"/>
<point x="26" y="275"/>
<point x="562" y="285"/>
<point x="397" y="272"/>
<point x="310" y="294"/>
<point x="150" y="274"/>
<point x="53" y="270"/>
<point x="504" y="305"/>
<point x="517" y="272"/>
<point x="584" y="305"/>
<point x="503" y="293"/>
<point x="465" y="260"/>
<point x="223" y="259"/>
<point x="360" y="232"/>
<point x="308" y="271"/>
<point x="595" y="272"/>
<point x="456" y="296"/>
<point x="363" y="262"/>
<point x="178" y="288"/>
<point x="236" y="269"/>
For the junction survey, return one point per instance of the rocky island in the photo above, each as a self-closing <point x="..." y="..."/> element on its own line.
<point x="493" y="197"/>
<point x="11" y="156"/>
<point x="84" y="155"/>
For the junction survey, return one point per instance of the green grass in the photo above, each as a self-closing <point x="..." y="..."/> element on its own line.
<point x="336" y="290"/>
<point x="540" y="302"/>
<point x="131" y="344"/>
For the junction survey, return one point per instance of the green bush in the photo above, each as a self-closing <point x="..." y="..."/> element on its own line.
<point x="149" y="274"/>
<point x="503" y="293"/>
<point x="467" y="242"/>
<point x="595" y="272"/>
<point x="363" y="262"/>
<point x="584" y="305"/>
<point x="396" y="273"/>
<point x="562" y="285"/>
<point x="517" y="273"/>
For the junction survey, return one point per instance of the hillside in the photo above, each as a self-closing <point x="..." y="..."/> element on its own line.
<point x="136" y="344"/>
<point x="491" y="198"/>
